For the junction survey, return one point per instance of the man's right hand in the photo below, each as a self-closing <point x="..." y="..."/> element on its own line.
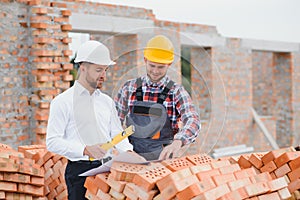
<point x="94" y="151"/>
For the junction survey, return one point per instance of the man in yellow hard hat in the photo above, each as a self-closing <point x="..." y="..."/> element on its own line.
<point x="155" y="105"/>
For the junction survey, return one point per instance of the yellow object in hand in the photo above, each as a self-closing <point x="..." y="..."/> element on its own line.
<point x="118" y="138"/>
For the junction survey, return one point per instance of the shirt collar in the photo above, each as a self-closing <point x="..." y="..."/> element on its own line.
<point x="83" y="91"/>
<point x="160" y="83"/>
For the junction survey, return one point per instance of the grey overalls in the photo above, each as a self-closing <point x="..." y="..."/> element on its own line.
<point x="152" y="125"/>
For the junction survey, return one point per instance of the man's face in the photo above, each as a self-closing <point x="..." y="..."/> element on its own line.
<point x="95" y="74"/>
<point x="156" y="71"/>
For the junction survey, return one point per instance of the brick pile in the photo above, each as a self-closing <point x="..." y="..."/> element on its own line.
<point x="269" y="175"/>
<point x="32" y="172"/>
<point x="20" y="177"/>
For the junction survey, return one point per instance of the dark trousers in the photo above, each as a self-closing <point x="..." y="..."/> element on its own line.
<point x="75" y="183"/>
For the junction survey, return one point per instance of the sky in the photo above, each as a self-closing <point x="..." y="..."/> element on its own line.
<point x="274" y="20"/>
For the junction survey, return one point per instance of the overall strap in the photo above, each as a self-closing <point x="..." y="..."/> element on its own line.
<point x="139" y="90"/>
<point x="163" y="95"/>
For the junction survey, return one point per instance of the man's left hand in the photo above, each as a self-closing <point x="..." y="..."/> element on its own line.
<point x="171" y="151"/>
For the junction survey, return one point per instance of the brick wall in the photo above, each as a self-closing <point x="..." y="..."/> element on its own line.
<point x="282" y="97"/>
<point x="235" y="67"/>
<point x="34" y="66"/>
<point x="15" y="94"/>
<point x="296" y="97"/>
<point x="262" y="73"/>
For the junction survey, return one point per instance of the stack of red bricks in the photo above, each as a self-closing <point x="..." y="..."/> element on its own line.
<point x="32" y="172"/>
<point x="20" y="177"/>
<point x="271" y="175"/>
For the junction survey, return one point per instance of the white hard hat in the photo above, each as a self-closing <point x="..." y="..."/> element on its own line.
<point x="94" y="52"/>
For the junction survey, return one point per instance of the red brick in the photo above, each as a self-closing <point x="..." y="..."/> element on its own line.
<point x="8" y="167"/>
<point x="268" y="167"/>
<point x="233" y="195"/>
<point x="277" y="184"/>
<point x="61" y="187"/>
<point x="206" y="175"/>
<point x="31" y="189"/>
<point x="295" y="174"/>
<point x="68" y="77"/>
<point x="66" y="13"/>
<point x="39" y="25"/>
<point x="283" y="170"/>
<point x="39" y="10"/>
<point x="200" y="168"/>
<point x="176" y="186"/>
<point x="8" y="186"/>
<point x="90" y="185"/>
<point x="54" y="184"/>
<point x="101" y="182"/>
<point x="67" y="40"/>
<point x="67" y="66"/>
<point x="214" y="193"/>
<point x="286" y="157"/>
<point x="234" y="185"/>
<point x="257" y="189"/>
<point x="58" y="5"/>
<point x="194" y="190"/>
<point x="229" y="169"/>
<point x="2" y="195"/>
<point x="294" y="185"/>
<point x="63" y="195"/>
<point x="173" y="177"/>
<point x="143" y="194"/>
<point x="270" y="156"/>
<point x="90" y="195"/>
<point x="148" y="179"/>
<point x="244" y="173"/>
<point x="199" y="159"/>
<point x="256" y="161"/>
<point x="130" y="193"/>
<point x="49" y="164"/>
<point x="294" y="164"/>
<point x="271" y="196"/>
<point x="220" y="163"/>
<point x="284" y="193"/>
<point x="52" y="194"/>
<point x="39" y="181"/>
<point x="223" y="178"/>
<point x="67" y="52"/>
<point x="116" y="195"/>
<point x="177" y="164"/>
<point x="16" y="177"/>
<point x="117" y="186"/>
<point x="262" y="177"/>
<point x="244" y="162"/>
<point x="66" y="27"/>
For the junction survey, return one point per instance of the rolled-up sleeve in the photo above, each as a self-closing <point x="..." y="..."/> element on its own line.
<point x="189" y="117"/>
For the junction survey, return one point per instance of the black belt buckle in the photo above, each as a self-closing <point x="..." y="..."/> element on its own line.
<point x="104" y="160"/>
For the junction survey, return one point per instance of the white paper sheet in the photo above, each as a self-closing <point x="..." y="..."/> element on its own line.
<point x="121" y="157"/>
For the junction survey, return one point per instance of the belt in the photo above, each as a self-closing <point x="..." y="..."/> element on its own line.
<point x="94" y="162"/>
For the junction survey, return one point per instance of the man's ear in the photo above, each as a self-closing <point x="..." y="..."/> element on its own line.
<point x="82" y="67"/>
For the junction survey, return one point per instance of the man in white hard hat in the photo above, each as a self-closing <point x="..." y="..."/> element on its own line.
<point x="82" y="118"/>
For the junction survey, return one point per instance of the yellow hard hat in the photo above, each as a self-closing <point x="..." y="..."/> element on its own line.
<point x="159" y="49"/>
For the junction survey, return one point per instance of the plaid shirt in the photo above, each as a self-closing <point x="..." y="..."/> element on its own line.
<point x="178" y="103"/>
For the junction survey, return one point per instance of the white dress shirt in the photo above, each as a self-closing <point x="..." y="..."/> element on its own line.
<point x="77" y="119"/>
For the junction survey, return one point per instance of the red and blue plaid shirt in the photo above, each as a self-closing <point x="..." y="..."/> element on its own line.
<point x="178" y="103"/>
